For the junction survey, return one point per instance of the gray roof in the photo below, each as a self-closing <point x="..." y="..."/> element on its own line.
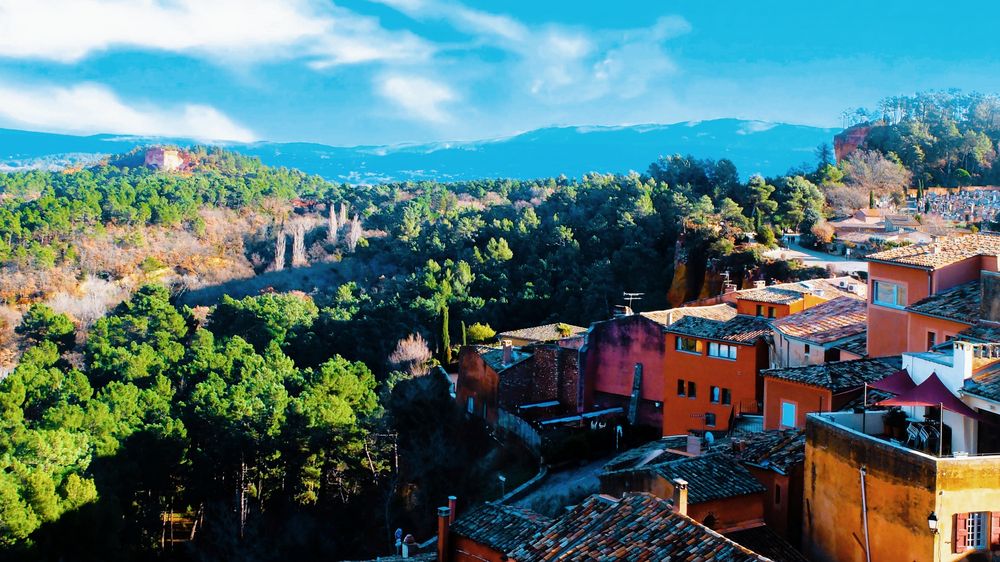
<point x="959" y="303"/>
<point x="544" y="333"/>
<point x="498" y="526"/>
<point x="836" y="376"/>
<point x="740" y="329"/>
<point x="712" y="476"/>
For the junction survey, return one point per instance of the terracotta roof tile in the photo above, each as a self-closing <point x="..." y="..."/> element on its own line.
<point x="960" y="303"/>
<point x="668" y="317"/>
<point x="500" y="527"/>
<point x="985" y="385"/>
<point x="778" y="449"/>
<point x="985" y="332"/>
<point x="544" y="333"/>
<point x="858" y="345"/>
<point x="741" y="329"/>
<point x="827" y="322"/>
<point x="712" y="476"/>
<point x="636" y="527"/>
<point x="945" y="252"/>
<point x="837" y="376"/>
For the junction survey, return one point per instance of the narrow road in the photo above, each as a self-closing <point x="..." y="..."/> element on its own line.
<point x="814" y="258"/>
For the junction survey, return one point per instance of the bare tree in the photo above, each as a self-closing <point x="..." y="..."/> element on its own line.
<point x="279" y="251"/>
<point x="353" y="234"/>
<point x="411" y="356"/>
<point x="299" y="244"/>
<point x="845" y="199"/>
<point x="870" y="171"/>
<point x="343" y="212"/>
<point x="331" y="225"/>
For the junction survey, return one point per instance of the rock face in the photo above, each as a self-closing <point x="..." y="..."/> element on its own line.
<point x="165" y="159"/>
<point x="849" y="140"/>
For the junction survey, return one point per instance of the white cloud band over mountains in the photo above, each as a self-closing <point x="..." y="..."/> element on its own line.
<point x="88" y="108"/>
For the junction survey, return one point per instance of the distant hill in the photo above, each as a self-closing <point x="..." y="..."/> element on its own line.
<point x="754" y="146"/>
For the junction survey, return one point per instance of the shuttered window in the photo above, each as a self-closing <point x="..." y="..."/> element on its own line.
<point x="978" y="530"/>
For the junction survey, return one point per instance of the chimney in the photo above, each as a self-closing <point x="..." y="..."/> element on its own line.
<point x="453" y="508"/>
<point x="680" y="496"/>
<point x="508" y="351"/>
<point x="444" y="515"/>
<point x="728" y="288"/>
<point x="693" y="445"/>
<point x="989" y="287"/>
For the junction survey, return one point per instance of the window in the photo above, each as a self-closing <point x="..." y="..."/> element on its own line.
<point x="760" y="310"/>
<point x="714" y="394"/>
<point x="470" y="405"/>
<point x="689" y="345"/>
<point x="931" y="339"/>
<point x="777" y="494"/>
<point x="788" y="416"/>
<point x="806" y="349"/>
<point x="727" y="396"/>
<point x="975" y="531"/>
<point x="770" y="312"/>
<point x="681" y="386"/>
<point x="709" y="419"/>
<point x="692" y="390"/>
<point x="484" y="411"/>
<point x="722" y="350"/>
<point x="889" y="294"/>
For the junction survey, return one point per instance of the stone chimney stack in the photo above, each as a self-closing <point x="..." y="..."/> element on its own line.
<point x="508" y="351"/>
<point x="989" y="287"/>
<point x="444" y="516"/>
<point x="680" y="496"/>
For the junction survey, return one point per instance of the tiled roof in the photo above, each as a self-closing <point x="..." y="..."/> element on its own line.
<point x="960" y="303"/>
<point x="766" y="542"/>
<point x="668" y="317"/>
<point x="423" y="557"/>
<point x="740" y="329"/>
<point x="826" y="322"/>
<point x="500" y="527"/>
<point x="548" y="332"/>
<point x="777" y="449"/>
<point x="652" y="453"/>
<point x="944" y="252"/>
<point x="836" y="376"/>
<point x="711" y="476"/>
<point x="493" y="356"/>
<point x="985" y="385"/>
<point x="858" y="345"/>
<point x="902" y="220"/>
<point x="982" y="332"/>
<point x="636" y="527"/>
<point x="874" y="397"/>
<point x="784" y="293"/>
<point x="772" y="294"/>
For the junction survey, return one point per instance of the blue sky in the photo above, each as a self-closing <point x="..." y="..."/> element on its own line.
<point x="388" y="71"/>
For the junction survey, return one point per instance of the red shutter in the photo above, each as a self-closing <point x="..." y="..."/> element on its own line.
<point x="958" y="545"/>
<point x="994" y="530"/>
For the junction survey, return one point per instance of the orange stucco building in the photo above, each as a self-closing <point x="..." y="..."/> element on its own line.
<point x="901" y="277"/>
<point x="869" y="499"/>
<point x="713" y="373"/>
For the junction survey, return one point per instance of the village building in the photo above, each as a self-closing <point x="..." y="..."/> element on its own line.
<point x="565" y="335"/>
<point x="902" y="277"/>
<point x="712" y="372"/>
<point x="776" y="460"/>
<point x="624" y="360"/>
<point x="487" y="532"/>
<point x="812" y="337"/>
<point x="792" y="393"/>
<point x="854" y="347"/>
<point x="163" y="159"/>
<point x="917" y="481"/>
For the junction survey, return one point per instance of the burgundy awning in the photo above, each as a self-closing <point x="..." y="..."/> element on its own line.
<point x="931" y="392"/>
<point x="896" y="383"/>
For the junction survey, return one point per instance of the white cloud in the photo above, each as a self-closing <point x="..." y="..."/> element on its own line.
<point x="69" y="30"/>
<point x="559" y="63"/>
<point x="92" y="108"/>
<point x="420" y="98"/>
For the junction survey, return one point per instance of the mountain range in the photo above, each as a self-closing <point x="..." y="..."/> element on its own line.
<point x="754" y="146"/>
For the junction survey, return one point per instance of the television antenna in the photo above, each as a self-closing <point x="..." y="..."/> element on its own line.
<point x="631" y="297"/>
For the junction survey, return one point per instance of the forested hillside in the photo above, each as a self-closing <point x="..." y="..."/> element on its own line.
<point x="943" y="138"/>
<point x="166" y="370"/>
